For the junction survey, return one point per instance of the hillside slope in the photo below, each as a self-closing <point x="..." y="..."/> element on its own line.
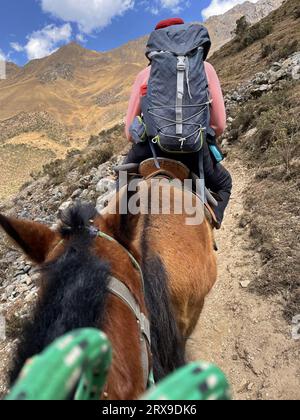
<point x="82" y="89"/>
<point x="264" y="130"/>
<point x="221" y="27"/>
<point x="274" y="37"/>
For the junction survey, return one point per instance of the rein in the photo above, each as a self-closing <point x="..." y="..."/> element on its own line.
<point x="120" y="290"/>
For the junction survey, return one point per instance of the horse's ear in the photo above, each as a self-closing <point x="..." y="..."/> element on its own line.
<point x="35" y="239"/>
<point x="123" y="223"/>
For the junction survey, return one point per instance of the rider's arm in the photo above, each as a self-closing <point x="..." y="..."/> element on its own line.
<point x="218" y="111"/>
<point x="134" y="106"/>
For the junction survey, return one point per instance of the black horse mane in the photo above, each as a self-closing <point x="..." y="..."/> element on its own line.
<point x="75" y="290"/>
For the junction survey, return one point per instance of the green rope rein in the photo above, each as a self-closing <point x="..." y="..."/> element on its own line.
<point x="76" y="367"/>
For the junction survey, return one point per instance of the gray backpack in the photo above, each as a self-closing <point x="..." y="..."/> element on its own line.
<point x="176" y="108"/>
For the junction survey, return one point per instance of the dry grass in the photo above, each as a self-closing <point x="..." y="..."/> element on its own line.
<point x="272" y="204"/>
<point x="23" y="155"/>
<point x="99" y="150"/>
<point x="16" y="164"/>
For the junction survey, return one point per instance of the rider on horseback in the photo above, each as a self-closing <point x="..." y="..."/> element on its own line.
<point x="217" y="178"/>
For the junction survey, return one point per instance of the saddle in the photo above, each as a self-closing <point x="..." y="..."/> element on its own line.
<point x="171" y="169"/>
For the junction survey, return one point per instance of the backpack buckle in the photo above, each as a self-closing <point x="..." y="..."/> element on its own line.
<point x="181" y="63"/>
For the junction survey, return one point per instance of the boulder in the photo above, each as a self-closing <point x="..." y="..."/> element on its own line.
<point x="106" y="185"/>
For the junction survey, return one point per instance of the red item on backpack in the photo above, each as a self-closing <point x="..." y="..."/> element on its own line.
<point x="169" y="22"/>
<point x="144" y="90"/>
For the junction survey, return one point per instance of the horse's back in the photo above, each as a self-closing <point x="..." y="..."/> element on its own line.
<point x="187" y="253"/>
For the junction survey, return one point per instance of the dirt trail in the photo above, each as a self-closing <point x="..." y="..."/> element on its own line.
<point x="243" y="333"/>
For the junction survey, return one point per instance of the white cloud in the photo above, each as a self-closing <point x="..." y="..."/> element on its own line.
<point x="175" y="6"/>
<point x="218" y="7"/>
<point x="88" y="14"/>
<point x="16" y="46"/>
<point x="2" y="65"/>
<point x="81" y="38"/>
<point x="2" y="56"/>
<point x="46" y="41"/>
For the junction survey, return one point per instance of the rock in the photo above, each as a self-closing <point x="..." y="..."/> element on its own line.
<point x="106" y="185"/>
<point x="103" y="201"/>
<point x="261" y="78"/>
<point x="31" y="296"/>
<point x="64" y="206"/>
<point x="57" y="71"/>
<point x="85" y="181"/>
<point x="276" y="66"/>
<point x="250" y="133"/>
<point x="225" y="143"/>
<point x="21" y="288"/>
<point x="19" y="273"/>
<point x="26" y="279"/>
<point x="103" y="171"/>
<point x="265" y="87"/>
<point x="274" y="76"/>
<point x="296" y="73"/>
<point x="244" y="222"/>
<point x="9" y="290"/>
<point x="27" y="268"/>
<point x="84" y="194"/>
<point x="245" y="284"/>
<point x="250" y="386"/>
<point x="76" y="193"/>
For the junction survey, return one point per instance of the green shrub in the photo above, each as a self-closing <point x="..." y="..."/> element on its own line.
<point x="242" y="26"/>
<point x="245" y="118"/>
<point x="234" y="135"/>
<point x="267" y="49"/>
<point x="278" y="137"/>
<point x="297" y="12"/>
<point x="95" y="158"/>
<point x="253" y="33"/>
<point x="285" y="50"/>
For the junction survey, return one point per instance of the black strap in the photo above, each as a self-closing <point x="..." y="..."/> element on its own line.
<point x="157" y="164"/>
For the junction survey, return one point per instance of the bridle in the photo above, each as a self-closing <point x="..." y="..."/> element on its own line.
<point x="120" y="290"/>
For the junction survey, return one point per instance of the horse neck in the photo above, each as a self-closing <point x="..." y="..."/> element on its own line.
<point x="126" y="377"/>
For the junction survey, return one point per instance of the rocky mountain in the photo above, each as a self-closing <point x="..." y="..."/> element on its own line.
<point x="88" y="91"/>
<point x="221" y="28"/>
<point x="69" y="85"/>
<point x="61" y="100"/>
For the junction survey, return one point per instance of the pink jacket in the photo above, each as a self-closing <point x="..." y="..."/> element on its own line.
<point x="218" y="112"/>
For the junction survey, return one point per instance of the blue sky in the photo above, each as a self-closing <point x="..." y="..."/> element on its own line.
<point x="35" y="28"/>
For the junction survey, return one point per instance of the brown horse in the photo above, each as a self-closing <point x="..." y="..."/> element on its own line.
<point x="179" y="269"/>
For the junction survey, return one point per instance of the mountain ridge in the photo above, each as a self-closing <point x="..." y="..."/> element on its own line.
<point x="221" y="27"/>
<point x="81" y="91"/>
